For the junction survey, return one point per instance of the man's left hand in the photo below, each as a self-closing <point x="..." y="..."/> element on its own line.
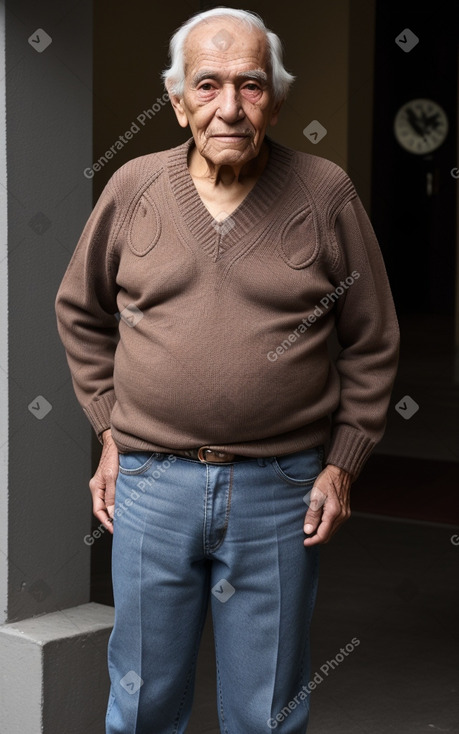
<point x="329" y="505"/>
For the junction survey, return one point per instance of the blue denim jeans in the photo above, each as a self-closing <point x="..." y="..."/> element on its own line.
<point x="186" y="533"/>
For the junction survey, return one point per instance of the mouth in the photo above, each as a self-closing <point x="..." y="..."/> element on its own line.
<point x="230" y="139"/>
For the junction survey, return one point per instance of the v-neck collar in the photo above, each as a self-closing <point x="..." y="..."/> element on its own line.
<point x="218" y="237"/>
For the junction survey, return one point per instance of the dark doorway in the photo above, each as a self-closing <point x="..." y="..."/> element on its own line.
<point x="414" y="192"/>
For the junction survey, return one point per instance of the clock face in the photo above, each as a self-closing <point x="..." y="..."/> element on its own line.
<point x="421" y="126"/>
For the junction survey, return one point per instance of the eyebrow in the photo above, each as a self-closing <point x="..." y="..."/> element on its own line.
<point x="256" y="74"/>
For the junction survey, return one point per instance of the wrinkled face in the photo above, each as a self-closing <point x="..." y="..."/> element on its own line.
<point x="227" y="98"/>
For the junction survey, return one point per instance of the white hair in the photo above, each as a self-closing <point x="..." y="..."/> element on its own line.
<point x="174" y="76"/>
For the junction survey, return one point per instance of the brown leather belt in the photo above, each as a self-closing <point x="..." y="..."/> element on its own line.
<point x="210" y="456"/>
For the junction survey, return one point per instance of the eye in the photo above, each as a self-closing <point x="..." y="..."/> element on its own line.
<point x="252" y="87"/>
<point x="206" y="86"/>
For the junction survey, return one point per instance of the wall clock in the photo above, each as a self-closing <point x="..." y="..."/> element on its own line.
<point x="421" y="126"/>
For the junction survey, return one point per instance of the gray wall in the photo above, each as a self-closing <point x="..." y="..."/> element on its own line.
<point x="49" y="135"/>
<point x="3" y="334"/>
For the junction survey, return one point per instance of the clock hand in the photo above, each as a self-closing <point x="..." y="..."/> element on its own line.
<point x="432" y="121"/>
<point x="414" y="121"/>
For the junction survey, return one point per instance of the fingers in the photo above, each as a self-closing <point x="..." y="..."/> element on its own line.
<point x="110" y="487"/>
<point x="325" y="523"/>
<point x="110" y="500"/>
<point x="105" y="519"/>
<point x="315" y="499"/>
<point x="329" y="505"/>
<point x="103" y="485"/>
<point x="99" y="507"/>
<point x="326" y="529"/>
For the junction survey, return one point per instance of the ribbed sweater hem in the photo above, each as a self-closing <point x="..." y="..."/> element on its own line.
<point x="349" y="449"/>
<point x="315" y="434"/>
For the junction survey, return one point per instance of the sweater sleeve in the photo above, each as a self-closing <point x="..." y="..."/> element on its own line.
<point x="368" y="335"/>
<point x="85" y="309"/>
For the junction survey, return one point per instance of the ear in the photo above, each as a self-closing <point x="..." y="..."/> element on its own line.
<point x="275" y="112"/>
<point x="176" y="102"/>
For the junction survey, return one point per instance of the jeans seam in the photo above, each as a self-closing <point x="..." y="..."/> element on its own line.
<point x="206" y="506"/>
<point x="220" y="696"/>
<point x="141" y="469"/>
<point x="215" y="546"/>
<point x="291" y="480"/>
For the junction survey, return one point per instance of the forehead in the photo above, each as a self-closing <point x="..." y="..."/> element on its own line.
<point x="221" y="42"/>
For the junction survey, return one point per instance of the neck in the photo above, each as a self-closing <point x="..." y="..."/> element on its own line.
<point x="227" y="175"/>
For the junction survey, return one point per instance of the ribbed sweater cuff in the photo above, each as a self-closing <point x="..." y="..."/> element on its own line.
<point x="99" y="413"/>
<point x="349" y="449"/>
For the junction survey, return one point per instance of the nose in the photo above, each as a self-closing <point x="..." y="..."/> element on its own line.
<point x="229" y="107"/>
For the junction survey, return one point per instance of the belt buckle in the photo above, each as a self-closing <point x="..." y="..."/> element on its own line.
<point x="210" y="456"/>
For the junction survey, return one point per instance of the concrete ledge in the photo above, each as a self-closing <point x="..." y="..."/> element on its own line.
<point x="53" y="672"/>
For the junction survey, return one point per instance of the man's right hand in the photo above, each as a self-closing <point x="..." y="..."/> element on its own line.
<point x="102" y="484"/>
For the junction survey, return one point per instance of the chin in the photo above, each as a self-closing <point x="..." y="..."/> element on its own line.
<point x="230" y="154"/>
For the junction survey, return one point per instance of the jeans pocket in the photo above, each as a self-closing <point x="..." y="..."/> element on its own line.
<point x="135" y="462"/>
<point x="300" y="468"/>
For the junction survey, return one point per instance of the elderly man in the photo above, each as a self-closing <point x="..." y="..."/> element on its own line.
<point x="196" y="314"/>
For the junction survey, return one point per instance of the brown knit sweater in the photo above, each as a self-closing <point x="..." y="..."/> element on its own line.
<point x="181" y="332"/>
